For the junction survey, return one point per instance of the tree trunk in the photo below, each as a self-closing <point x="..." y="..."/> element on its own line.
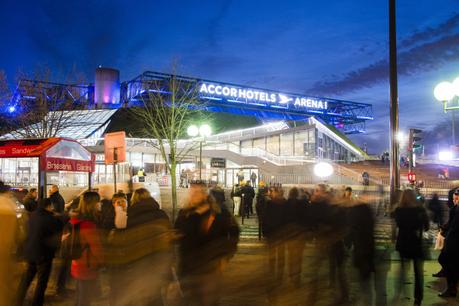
<point x="174" y="189"/>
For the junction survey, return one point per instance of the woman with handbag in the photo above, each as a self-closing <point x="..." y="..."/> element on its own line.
<point x="411" y="219"/>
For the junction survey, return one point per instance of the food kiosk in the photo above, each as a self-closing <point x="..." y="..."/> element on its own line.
<point x="41" y="162"/>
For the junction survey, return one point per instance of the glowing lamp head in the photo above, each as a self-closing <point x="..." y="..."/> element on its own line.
<point x="401" y="137"/>
<point x="445" y="155"/>
<point x="444" y="91"/>
<point x="192" y="131"/>
<point x="205" y="130"/>
<point x="323" y="170"/>
<point x="12" y="109"/>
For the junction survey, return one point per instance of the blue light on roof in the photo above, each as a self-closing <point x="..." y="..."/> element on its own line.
<point x="11" y="109"/>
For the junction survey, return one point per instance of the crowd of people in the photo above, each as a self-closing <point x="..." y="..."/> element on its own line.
<point x="147" y="257"/>
<point x="132" y="239"/>
<point x="340" y="227"/>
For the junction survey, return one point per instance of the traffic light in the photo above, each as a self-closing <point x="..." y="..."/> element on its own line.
<point x="411" y="177"/>
<point x="413" y="144"/>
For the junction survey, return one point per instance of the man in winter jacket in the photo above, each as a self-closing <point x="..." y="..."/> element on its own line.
<point x="56" y="199"/>
<point x="30" y="200"/>
<point x="41" y="244"/>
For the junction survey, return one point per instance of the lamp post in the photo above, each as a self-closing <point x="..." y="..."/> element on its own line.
<point x="446" y="92"/>
<point x="203" y="131"/>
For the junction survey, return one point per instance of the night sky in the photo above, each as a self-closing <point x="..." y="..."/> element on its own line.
<point x="336" y="49"/>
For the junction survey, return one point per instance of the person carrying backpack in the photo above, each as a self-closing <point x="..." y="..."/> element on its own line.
<point x="86" y="251"/>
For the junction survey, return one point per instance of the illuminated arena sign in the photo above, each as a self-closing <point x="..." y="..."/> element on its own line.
<point x="254" y="96"/>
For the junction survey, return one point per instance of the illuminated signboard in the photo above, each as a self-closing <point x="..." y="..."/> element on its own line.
<point x="253" y="96"/>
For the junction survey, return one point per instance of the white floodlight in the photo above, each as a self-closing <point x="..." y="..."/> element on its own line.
<point x="192" y="131"/>
<point x="323" y="170"/>
<point x="445" y="155"/>
<point x="205" y="130"/>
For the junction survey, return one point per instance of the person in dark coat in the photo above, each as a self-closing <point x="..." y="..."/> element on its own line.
<point x="43" y="240"/>
<point x="107" y="215"/>
<point x="208" y="238"/>
<point x="30" y="200"/>
<point x="260" y="204"/>
<point x="445" y="227"/>
<point x="450" y="253"/>
<point x="296" y="234"/>
<point x="411" y="219"/>
<point x="56" y="199"/>
<point x="435" y="209"/>
<point x="248" y="193"/>
<point x="274" y="222"/>
<point x="219" y="195"/>
<point x="360" y="238"/>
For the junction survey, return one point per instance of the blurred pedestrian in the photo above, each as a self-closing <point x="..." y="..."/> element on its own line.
<point x="361" y="237"/>
<point x="450" y="252"/>
<point x="296" y="214"/>
<point x="30" y="200"/>
<point x="260" y="204"/>
<point x="217" y="192"/>
<point x="248" y="193"/>
<point x="208" y="238"/>
<point x="411" y="219"/>
<point x="253" y="179"/>
<point x="274" y="223"/>
<point x="56" y="199"/>
<point x="85" y="268"/>
<point x="236" y="195"/>
<point x="43" y="239"/>
<point x="9" y="230"/>
<point x="240" y="176"/>
<point x="140" y="251"/>
<point x="435" y="209"/>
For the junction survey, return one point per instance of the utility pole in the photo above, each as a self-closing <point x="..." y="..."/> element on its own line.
<point x="394" y="160"/>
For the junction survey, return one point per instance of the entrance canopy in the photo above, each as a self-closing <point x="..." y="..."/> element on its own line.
<point x="55" y="154"/>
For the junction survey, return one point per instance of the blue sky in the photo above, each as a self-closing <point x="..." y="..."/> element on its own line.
<point x="330" y="48"/>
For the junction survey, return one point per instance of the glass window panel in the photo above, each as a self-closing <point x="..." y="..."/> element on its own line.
<point x="301" y="137"/>
<point x="272" y="144"/>
<point x="286" y="145"/>
<point x="259" y="143"/>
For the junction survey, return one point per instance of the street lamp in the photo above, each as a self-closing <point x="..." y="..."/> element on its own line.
<point x="203" y="131"/>
<point x="445" y="92"/>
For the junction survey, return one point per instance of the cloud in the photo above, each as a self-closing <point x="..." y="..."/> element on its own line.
<point x="424" y="57"/>
<point x="429" y="33"/>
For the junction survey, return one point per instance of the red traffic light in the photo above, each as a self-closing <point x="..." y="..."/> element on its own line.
<point x="411" y="177"/>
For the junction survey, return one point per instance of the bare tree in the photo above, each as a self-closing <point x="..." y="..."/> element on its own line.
<point x="167" y="108"/>
<point x="41" y="108"/>
<point x="5" y="97"/>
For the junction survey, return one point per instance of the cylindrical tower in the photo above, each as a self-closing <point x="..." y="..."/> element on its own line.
<point x="107" y="86"/>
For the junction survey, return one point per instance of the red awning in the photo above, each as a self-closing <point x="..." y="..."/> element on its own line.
<point x="55" y="154"/>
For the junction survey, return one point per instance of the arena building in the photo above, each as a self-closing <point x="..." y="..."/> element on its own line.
<point x="295" y="130"/>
